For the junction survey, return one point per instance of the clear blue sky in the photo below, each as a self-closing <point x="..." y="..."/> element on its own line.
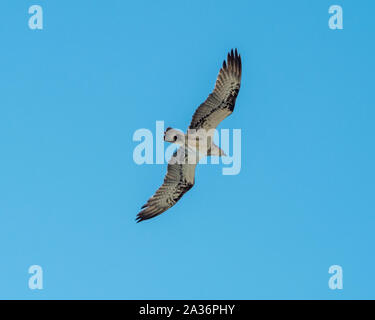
<point x="73" y="94"/>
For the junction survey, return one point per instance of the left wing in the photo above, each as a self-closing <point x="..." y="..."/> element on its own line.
<point x="220" y="103"/>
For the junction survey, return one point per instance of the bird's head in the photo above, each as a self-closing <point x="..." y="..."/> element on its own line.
<point x="174" y="136"/>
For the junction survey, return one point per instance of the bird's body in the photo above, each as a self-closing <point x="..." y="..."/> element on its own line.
<point x="198" y="142"/>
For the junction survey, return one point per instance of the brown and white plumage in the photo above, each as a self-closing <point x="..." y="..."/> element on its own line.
<point x="220" y="103"/>
<point x="179" y="179"/>
<point x="180" y="175"/>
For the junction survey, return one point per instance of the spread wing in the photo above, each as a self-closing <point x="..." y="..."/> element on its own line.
<point x="178" y="180"/>
<point x="220" y="103"/>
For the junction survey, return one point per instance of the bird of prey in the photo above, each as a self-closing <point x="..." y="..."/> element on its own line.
<point x="180" y="175"/>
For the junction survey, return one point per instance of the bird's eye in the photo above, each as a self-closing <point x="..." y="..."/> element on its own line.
<point x="175" y="138"/>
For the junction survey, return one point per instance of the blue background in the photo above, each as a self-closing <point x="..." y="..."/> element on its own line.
<point x="73" y="94"/>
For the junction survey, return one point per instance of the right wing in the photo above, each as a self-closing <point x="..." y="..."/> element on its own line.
<point x="178" y="180"/>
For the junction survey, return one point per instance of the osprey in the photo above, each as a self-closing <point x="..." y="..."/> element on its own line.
<point x="180" y="175"/>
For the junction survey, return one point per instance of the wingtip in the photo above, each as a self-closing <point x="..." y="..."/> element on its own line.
<point x="139" y="218"/>
<point x="224" y="64"/>
<point x="233" y="55"/>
